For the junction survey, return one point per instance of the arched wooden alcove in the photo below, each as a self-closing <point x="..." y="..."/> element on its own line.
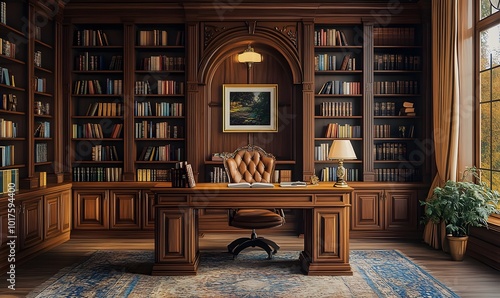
<point x="281" y="65"/>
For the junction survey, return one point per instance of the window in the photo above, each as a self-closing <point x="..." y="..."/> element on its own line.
<point x="488" y="69"/>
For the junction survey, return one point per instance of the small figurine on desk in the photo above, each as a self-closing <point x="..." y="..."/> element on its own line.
<point x="314" y="180"/>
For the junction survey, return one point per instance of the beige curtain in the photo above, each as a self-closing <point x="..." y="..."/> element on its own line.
<point x="445" y="98"/>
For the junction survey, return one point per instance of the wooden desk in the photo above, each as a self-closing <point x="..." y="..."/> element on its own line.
<point x="326" y="223"/>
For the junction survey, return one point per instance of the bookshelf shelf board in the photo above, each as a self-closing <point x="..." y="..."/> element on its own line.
<point x="159" y="117"/>
<point x="159" y="71"/>
<point x="13" y="139"/>
<point x="338" y="117"/>
<point x="159" y="139"/>
<point x="160" y="47"/>
<point x="98" y="48"/>
<point x="12" y="167"/>
<point x="43" y="139"/>
<point x="395" y="71"/>
<point x="396" y="47"/>
<point x="76" y="162"/>
<point x="357" y="161"/>
<point x="44" y="163"/>
<point x="44" y="116"/>
<point x="98" y="72"/>
<point x="159" y="95"/>
<point x="12" y="112"/>
<point x="331" y="139"/>
<point x="337" y="47"/>
<point x="39" y="42"/>
<point x="97" y="95"/>
<point x="96" y="139"/>
<point x="97" y="117"/>
<point x="43" y="94"/>
<point x="43" y="69"/>
<point x="5" y="26"/>
<point x="394" y="139"/>
<point x="12" y="59"/>
<point x="156" y="161"/>
<point x="12" y="87"/>
<point x="395" y="117"/>
<point x="396" y="95"/>
<point x="329" y="72"/>
<point x="337" y="95"/>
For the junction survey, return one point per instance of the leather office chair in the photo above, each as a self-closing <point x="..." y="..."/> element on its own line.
<point x="252" y="164"/>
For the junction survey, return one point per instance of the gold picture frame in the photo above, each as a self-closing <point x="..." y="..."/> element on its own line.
<point x="250" y="108"/>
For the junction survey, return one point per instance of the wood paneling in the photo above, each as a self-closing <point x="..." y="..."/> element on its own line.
<point x="90" y="209"/>
<point x="32" y="222"/>
<point x="401" y="209"/>
<point x="125" y="209"/>
<point x="148" y="222"/>
<point x="53" y="208"/>
<point x="367" y="210"/>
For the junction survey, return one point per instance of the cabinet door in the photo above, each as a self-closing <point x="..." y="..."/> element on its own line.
<point x="367" y="210"/>
<point x="90" y="209"/>
<point x="148" y="222"/>
<point x="32" y="222"/>
<point x="53" y="210"/>
<point x="401" y="210"/>
<point x="125" y="209"/>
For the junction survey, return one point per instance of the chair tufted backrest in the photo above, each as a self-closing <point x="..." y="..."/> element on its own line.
<point x="249" y="164"/>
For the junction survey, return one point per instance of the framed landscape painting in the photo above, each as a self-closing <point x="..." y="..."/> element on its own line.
<point x="250" y="108"/>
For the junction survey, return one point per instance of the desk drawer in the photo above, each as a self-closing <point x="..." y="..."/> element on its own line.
<point x="166" y="200"/>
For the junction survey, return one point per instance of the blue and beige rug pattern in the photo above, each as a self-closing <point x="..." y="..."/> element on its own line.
<point x="377" y="273"/>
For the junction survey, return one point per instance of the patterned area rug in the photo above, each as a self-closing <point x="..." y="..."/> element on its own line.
<point x="377" y="273"/>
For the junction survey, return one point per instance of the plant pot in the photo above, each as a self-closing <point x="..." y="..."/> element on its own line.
<point x="458" y="245"/>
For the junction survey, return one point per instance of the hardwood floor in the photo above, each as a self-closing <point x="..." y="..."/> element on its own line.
<point x="468" y="278"/>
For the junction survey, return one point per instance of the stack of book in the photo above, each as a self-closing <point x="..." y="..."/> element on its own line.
<point x="408" y="109"/>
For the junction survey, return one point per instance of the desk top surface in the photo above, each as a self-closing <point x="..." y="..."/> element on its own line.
<point x="322" y="187"/>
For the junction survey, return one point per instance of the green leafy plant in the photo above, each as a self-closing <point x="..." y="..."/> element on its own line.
<point x="462" y="204"/>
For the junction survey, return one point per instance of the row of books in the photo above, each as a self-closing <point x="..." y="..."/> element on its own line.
<point x="397" y="175"/>
<point x="336" y="130"/>
<point x="163" y="109"/>
<point x="86" y="62"/>
<point x="390" y="151"/>
<point x="340" y="87"/>
<point x="8" y="128"/>
<point x="97" y="174"/>
<point x="396" y="62"/>
<point x="84" y="87"/>
<point x="104" y="153"/>
<point x="151" y="130"/>
<point x="385" y="131"/>
<point x="9" y="102"/>
<point x="321" y="151"/>
<point x="218" y="175"/>
<point x="89" y="37"/>
<point x="330" y="174"/>
<point x="105" y="109"/>
<point x="388" y="36"/>
<point x="396" y="87"/>
<point x="167" y="87"/>
<point x="41" y="152"/>
<point x="323" y="62"/>
<point x="335" y="109"/>
<point x="7" y="155"/>
<point x="159" y="153"/>
<point x="330" y="37"/>
<point x="9" y="181"/>
<point x="6" y="77"/>
<point x="143" y="175"/>
<point x="162" y="62"/>
<point x="42" y="129"/>
<point x="159" y="38"/>
<point x="182" y="175"/>
<point x="95" y="131"/>
<point x="40" y="84"/>
<point x="386" y="108"/>
<point x="7" y="48"/>
<point x="3" y="12"/>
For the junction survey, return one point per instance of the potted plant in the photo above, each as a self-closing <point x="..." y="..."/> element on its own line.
<point x="461" y="205"/>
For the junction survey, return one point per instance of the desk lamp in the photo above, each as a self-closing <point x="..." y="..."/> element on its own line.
<point x="341" y="150"/>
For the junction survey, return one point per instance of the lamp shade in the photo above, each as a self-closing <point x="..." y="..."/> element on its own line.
<point x="341" y="149"/>
<point x="249" y="56"/>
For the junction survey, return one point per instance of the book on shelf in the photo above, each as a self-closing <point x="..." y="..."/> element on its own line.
<point x="190" y="175"/>
<point x="250" y="185"/>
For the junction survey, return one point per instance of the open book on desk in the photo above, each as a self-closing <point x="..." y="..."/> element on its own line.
<point x="293" y="184"/>
<point x="250" y="185"/>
